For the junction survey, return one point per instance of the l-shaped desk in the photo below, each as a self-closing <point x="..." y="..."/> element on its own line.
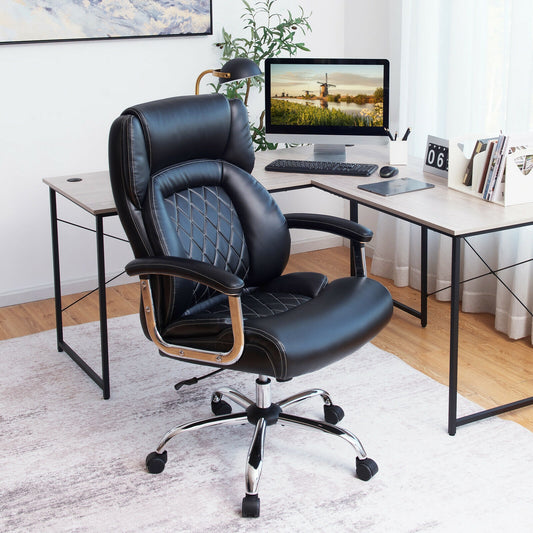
<point x="439" y="209"/>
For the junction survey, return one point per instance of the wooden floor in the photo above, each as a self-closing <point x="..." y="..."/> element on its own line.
<point x="492" y="369"/>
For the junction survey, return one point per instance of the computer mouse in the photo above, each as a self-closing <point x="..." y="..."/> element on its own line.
<point x="388" y="172"/>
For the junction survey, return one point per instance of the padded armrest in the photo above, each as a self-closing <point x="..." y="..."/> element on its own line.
<point x="331" y="224"/>
<point x="204" y="273"/>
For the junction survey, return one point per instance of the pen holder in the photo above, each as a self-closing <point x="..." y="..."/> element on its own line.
<point x="398" y="152"/>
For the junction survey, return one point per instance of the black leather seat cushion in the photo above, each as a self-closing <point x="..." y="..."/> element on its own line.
<point x="286" y="333"/>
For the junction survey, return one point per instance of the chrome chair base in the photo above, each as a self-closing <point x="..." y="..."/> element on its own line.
<point x="263" y="413"/>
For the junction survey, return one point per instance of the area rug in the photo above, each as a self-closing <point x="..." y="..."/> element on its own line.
<point x="73" y="462"/>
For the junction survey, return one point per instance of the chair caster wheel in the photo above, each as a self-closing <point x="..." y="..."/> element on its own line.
<point x="220" y="407"/>
<point x="366" y="468"/>
<point x="333" y="414"/>
<point x="250" y="506"/>
<point x="155" y="462"/>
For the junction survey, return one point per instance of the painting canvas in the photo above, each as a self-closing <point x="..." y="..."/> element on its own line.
<point x="58" y="20"/>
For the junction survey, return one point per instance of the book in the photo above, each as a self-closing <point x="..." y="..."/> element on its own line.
<point x="490" y="148"/>
<point x="524" y="162"/>
<point x="499" y="169"/>
<point x="499" y="187"/>
<point x="493" y="166"/>
<point x="480" y="146"/>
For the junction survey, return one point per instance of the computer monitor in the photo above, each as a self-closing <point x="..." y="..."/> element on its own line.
<point x="327" y="102"/>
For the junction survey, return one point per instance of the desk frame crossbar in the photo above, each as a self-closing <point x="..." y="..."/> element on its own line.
<point x="453" y="421"/>
<point x="101" y="380"/>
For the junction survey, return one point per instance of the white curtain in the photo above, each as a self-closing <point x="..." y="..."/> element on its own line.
<point x="466" y="70"/>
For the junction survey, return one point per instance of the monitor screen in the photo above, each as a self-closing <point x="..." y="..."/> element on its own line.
<point x="326" y="101"/>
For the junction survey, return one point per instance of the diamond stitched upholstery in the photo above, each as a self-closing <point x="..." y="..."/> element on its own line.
<point x="209" y="230"/>
<point x="259" y="304"/>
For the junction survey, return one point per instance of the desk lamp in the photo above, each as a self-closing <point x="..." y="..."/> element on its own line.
<point x="239" y="68"/>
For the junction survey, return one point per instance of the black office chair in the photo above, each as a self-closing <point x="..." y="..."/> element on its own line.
<point x="211" y="246"/>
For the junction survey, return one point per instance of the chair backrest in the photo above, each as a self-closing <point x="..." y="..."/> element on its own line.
<point x="179" y="171"/>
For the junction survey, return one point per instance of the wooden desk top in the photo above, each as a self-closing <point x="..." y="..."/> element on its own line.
<point x="442" y="209"/>
<point x="445" y="210"/>
<point x="91" y="191"/>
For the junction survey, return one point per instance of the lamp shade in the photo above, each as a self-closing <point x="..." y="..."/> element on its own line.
<point x="239" y="68"/>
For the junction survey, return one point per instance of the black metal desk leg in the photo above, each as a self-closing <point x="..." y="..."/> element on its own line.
<point x="424" y="276"/>
<point x="354" y="217"/>
<point x="57" y="276"/>
<point x="454" y="335"/>
<point x="102" y="305"/>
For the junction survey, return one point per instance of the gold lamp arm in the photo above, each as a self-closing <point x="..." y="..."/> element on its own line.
<point x="247" y="91"/>
<point x="215" y="72"/>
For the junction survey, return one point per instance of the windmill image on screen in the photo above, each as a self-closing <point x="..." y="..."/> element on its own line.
<point x="326" y="101"/>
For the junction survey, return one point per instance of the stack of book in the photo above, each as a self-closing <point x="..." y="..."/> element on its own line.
<point x="500" y="168"/>
<point x="492" y="178"/>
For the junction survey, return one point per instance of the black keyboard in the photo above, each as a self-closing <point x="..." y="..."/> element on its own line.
<point x="321" y="167"/>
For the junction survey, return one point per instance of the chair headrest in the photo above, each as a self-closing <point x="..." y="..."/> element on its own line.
<point x="185" y="128"/>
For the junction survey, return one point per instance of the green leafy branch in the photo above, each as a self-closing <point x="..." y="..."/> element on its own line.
<point x="267" y="34"/>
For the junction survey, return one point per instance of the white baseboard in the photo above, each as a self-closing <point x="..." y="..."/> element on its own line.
<point x="326" y="242"/>
<point x="308" y="245"/>
<point x="43" y="292"/>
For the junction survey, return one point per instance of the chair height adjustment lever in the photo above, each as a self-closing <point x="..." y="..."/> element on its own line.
<point x="195" y="380"/>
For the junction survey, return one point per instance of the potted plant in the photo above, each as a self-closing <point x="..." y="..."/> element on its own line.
<point x="267" y="33"/>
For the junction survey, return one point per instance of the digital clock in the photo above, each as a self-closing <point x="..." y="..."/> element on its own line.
<point x="436" y="160"/>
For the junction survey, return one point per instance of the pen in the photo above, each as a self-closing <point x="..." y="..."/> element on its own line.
<point x="406" y="134"/>
<point x="389" y="134"/>
<point x="396" y="136"/>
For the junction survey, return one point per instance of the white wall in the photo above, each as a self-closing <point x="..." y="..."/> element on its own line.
<point x="57" y="101"/>
<point x="373" y="30"/>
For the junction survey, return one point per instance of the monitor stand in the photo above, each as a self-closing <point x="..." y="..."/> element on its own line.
<point x="330" y="152"/>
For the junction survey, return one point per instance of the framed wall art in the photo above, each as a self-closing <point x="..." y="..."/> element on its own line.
<point x="27" y="21"/>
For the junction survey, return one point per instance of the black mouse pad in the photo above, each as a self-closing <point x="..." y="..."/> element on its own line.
<point x="399" y="186"/>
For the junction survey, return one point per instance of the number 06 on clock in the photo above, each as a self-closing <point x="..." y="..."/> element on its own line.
<point x="436" y="160"/>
